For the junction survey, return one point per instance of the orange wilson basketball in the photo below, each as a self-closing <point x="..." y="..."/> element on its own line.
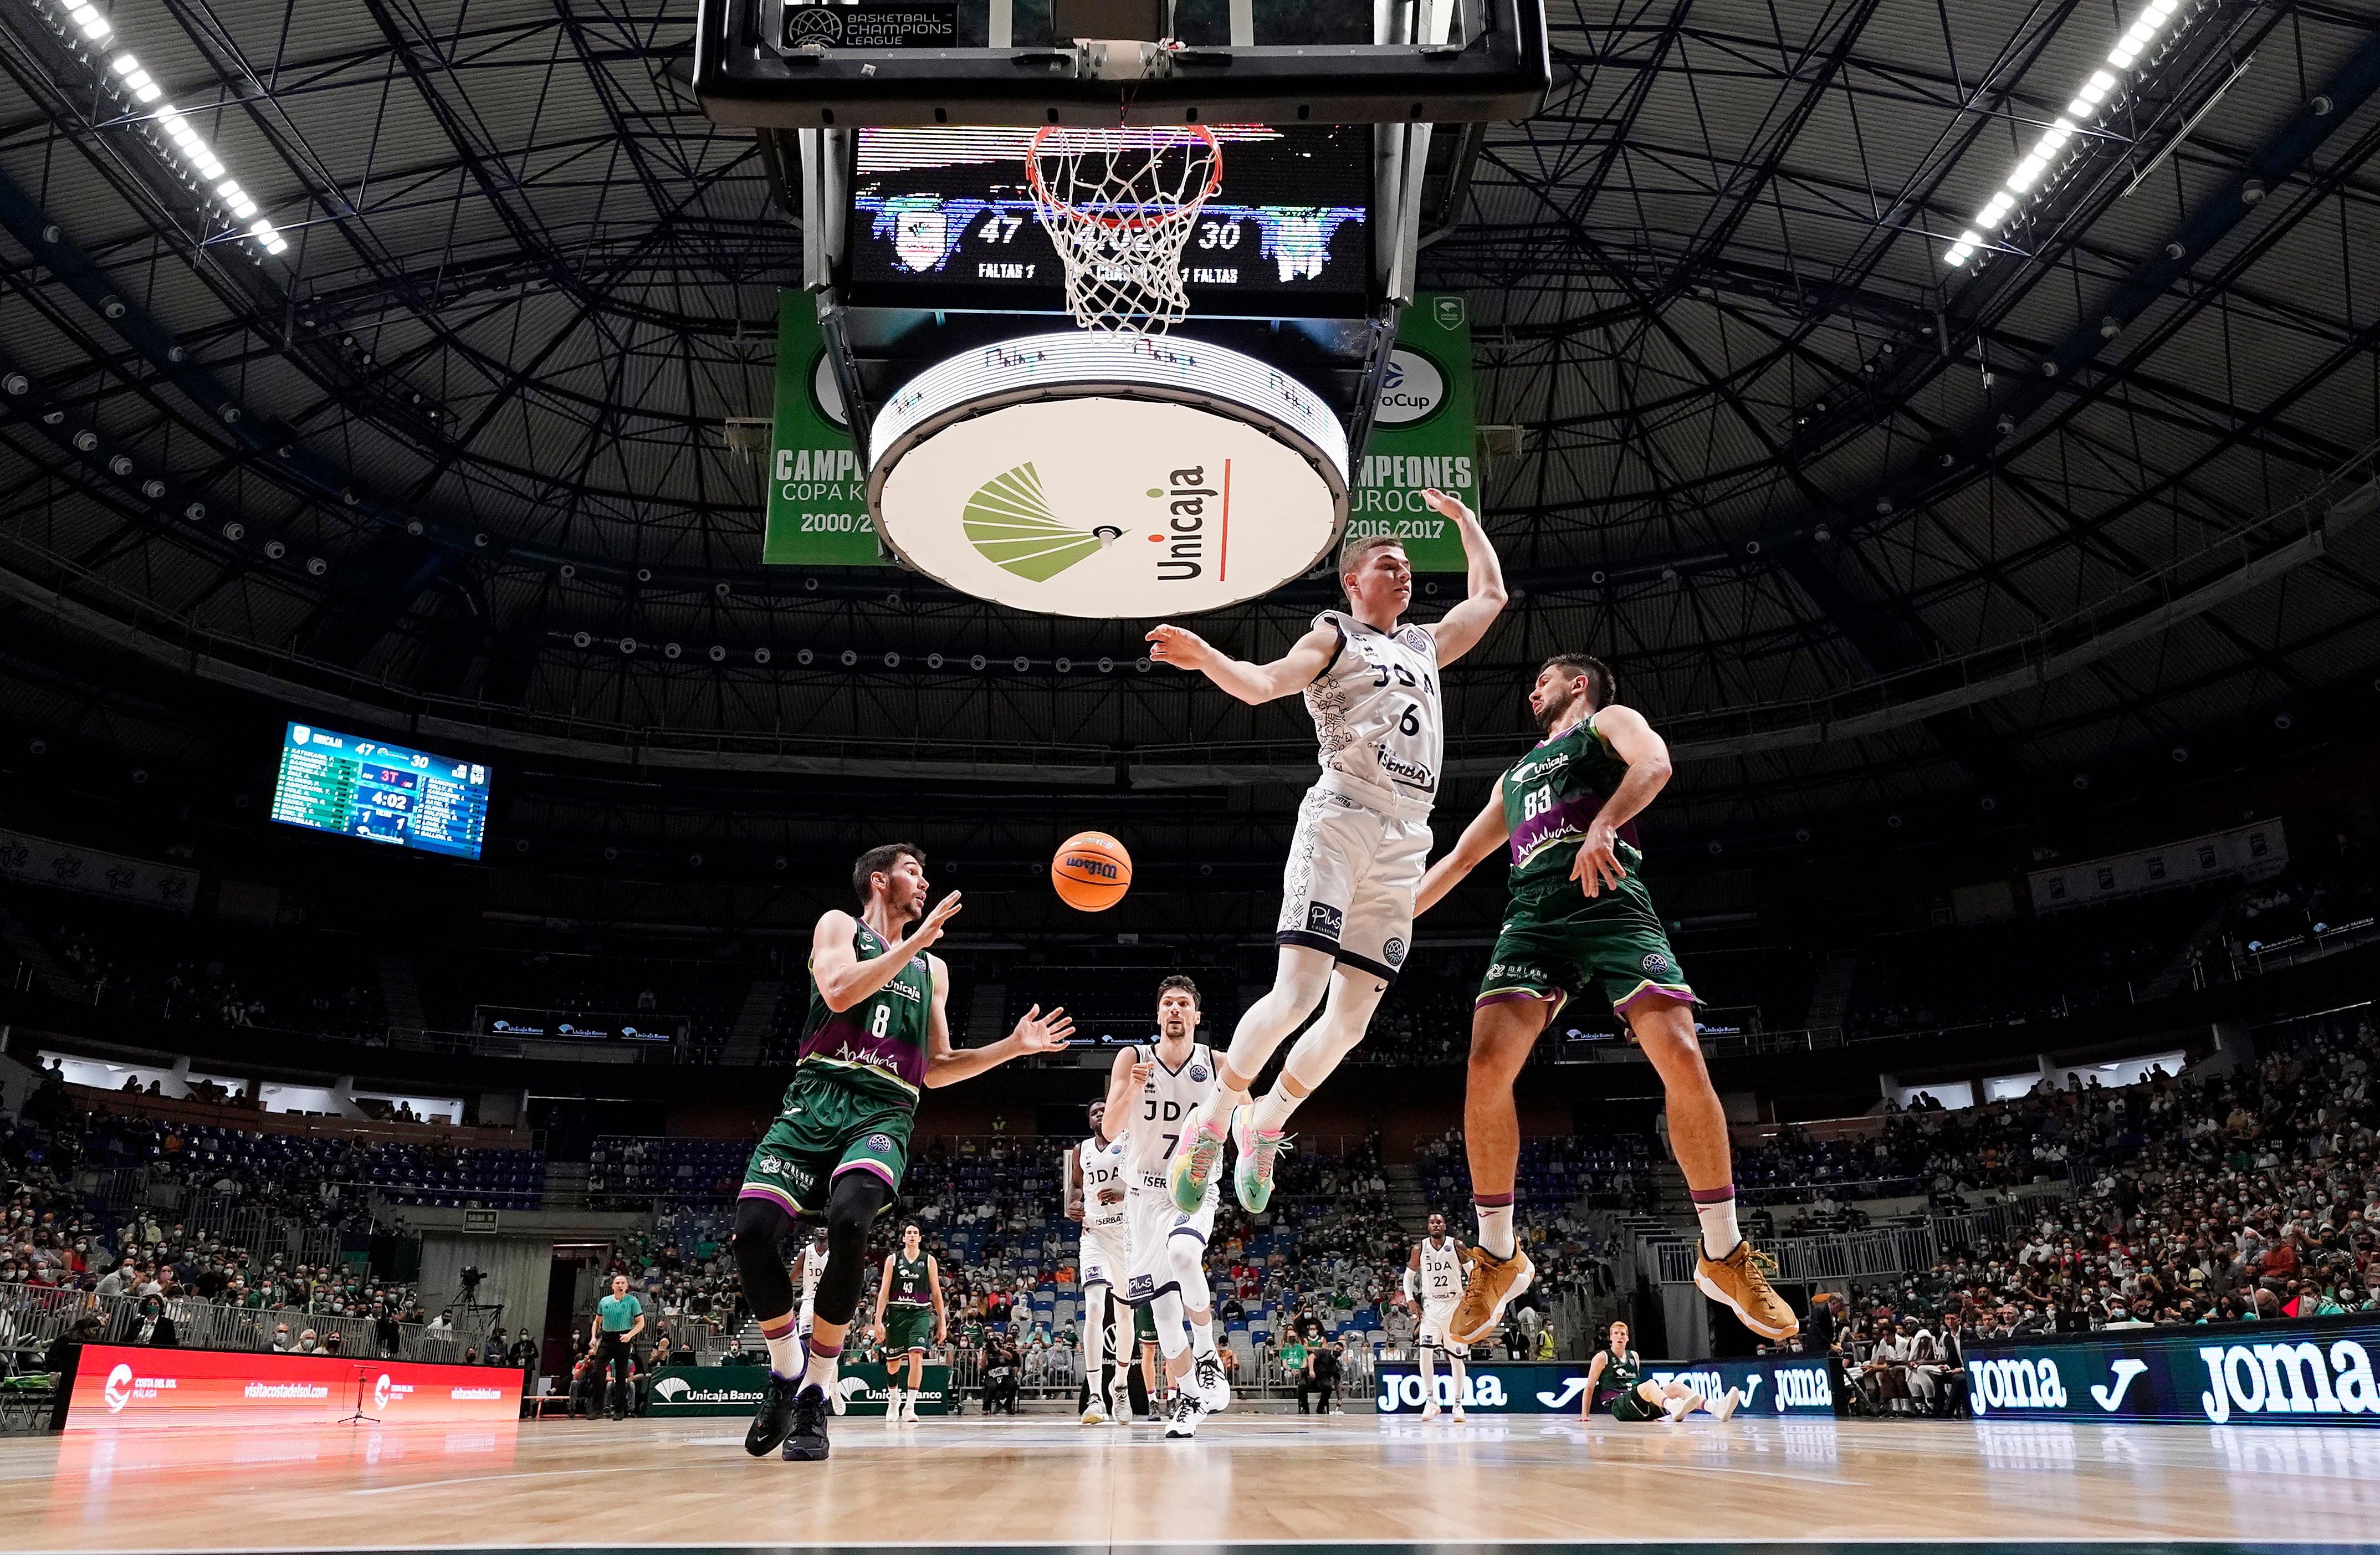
<point x="1091" y="872"/>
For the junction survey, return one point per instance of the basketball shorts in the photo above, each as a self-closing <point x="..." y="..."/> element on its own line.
<point x="1559" y="942"/>
<point x="1435" y="1317"/>
<point x="1105" y="1256"/>
<point x="907" y="1327"/>
<point x="828" y="1127"/>
<point x="1156" y="1226"/>
<point x="1348" y="888"/>
<point x="1629" y="1407"/>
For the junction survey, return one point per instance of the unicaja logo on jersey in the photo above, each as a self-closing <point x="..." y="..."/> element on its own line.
<point x="1009" y="520"/>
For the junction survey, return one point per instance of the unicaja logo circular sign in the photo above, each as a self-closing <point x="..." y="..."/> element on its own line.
<point x="1411" y="392"/>
<point x="119" y="1388"/>
<point x="1100" y="475"/>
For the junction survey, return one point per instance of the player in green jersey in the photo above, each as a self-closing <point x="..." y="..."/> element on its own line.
<point x="877" y="1035"/>
<point x="912" y="1289"/>
<point x="1581" y="921"/>
<point x="1616" y="1379"/>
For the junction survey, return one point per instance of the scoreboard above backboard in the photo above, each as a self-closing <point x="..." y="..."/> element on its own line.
<point x="382" y="792"/>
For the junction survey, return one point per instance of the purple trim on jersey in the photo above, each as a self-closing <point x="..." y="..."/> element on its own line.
<point x="848" y="1040"/>
<point x="1712" y="1195"/>
<point x="777" y="1196"/>
<point x="865" y="1165"/>
<point x="1190" y="1231"/>
<point x="1676" y="995"/>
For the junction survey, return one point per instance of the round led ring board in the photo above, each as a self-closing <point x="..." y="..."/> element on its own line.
<point x="1119" y="477"/>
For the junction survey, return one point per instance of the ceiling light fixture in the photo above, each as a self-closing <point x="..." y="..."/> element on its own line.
<point x="188" y="145"/>
<point x="2088" y="100"/>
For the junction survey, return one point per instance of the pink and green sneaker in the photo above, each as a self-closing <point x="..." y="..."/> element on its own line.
<point x="1192" y="1167"/>
<point x="1252" y="1174"/>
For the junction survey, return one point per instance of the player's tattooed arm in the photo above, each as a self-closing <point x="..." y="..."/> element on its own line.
<point x="1486" y="834"/>
<point x="1253" y="684"/>
<point x="1460" y="630"/>
<point x="1633" y="740"/>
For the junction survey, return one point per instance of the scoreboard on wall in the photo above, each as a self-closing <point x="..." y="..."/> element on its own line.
<point x="382" y="792"/>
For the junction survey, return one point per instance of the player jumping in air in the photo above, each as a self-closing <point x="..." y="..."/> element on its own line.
<point x="877" y="1035"/>
<point x="1362" y="837"/>
<point x="1616" y="1380"/>
<point x="1434" y="1284"/>
<point x="912" y="1289"/>
<point x="1581" y="919"/>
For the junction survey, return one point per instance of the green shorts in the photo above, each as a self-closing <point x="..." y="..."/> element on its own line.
<point x="1144" y="1322"/>
<point x="1628" y="1406"/>
<point x="907" y="1327"/>
<point x="828" y="1128"/>
<point x="1561" y="941"/>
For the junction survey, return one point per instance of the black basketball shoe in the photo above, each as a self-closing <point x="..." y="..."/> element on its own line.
<point x="770" y="1425"/>
<point x="808" y="1444"/>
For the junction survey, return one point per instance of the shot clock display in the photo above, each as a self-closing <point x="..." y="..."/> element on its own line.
<point x="382" y="792"/>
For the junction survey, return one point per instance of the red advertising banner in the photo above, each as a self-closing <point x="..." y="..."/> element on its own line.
<point x="122" y="1387"/>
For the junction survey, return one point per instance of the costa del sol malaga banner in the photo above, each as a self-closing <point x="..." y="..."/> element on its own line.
<point x="2315" y="1371"/>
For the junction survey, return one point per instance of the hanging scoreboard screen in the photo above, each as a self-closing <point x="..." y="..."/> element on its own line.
<point x="382" y="792"/>
<point x="942" y="217"/>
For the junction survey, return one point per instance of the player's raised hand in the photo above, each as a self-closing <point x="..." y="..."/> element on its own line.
<point x="1037" y="1033"/>
<point x="1598" y="859"/>
<point x="931" y="929"/>
<point x="1445" y="505"/>
<point x="1180" y="647"/>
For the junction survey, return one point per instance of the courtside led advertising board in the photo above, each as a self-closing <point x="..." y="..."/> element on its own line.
<point x="736" y="1389"/>
<point x="2315" y="1371"/>
<point x="125" y="1386"/>
<point x="1770" y="1387"/>
<point x="382" y="792"/>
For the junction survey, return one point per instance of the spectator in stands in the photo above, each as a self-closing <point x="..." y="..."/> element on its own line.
<point x="147" y="1324"/>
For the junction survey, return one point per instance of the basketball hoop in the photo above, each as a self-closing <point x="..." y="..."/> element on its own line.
<point x="1119" y="205"/>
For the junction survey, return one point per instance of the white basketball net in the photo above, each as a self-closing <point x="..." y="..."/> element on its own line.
<point x="1119" y="205"/>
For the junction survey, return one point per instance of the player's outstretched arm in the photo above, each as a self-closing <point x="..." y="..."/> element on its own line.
<point x="1460" y="630"/>
<point x="1253" y="684"/>
<point x="842" y="978"/>
<point x="1486" y="834"/>
<point x="1633" y="740"/>
<point x="946" y="1065"/>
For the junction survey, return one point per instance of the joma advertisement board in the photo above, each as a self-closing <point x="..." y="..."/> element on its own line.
<point x="1770" y="1387"/>
<point x="2313" y="1371"/>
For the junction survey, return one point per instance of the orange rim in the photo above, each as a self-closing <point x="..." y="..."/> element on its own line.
<point x="1041" y="190"/>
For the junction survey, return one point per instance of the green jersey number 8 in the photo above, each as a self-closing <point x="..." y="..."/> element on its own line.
<point x="880" y="1020"/>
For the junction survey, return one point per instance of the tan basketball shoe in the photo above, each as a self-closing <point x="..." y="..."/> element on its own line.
<point x="1493" y="1283"/>
<point x="1741" y="1280"/>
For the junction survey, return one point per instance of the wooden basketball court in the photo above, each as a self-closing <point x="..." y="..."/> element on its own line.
<point x="1250" y="1481"/>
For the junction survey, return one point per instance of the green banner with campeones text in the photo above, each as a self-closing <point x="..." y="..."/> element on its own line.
<point x="818" y="487"/>
<point x="1425" y="433"/>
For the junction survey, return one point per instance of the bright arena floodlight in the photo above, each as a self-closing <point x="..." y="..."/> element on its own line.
<point x="190" y="147"/>
<point x="2088" y="100"/>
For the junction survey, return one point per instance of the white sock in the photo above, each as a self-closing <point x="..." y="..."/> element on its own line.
<point x="1459" y="1375"/>
<point x="1495" y="1229"/>
<point x="1427" y="1356"/>
<point x="786" y="1354"/>
<point x="1202" y="1337"/>
<point x="1720" y="1235"/>
<point x="1274" y="1107"/>
<point x="820" y="1372"/>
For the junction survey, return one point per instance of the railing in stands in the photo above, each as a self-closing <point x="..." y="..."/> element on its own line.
<point x="1866" y="1253"/>
<point x="32" y="1316"/>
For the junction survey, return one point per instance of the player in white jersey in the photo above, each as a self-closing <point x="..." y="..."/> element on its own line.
<point x="1153" y="1092"/>
<point x="1433" y="1284"/>
<point x="1372" y="683"/>
<point x="806" y="1270"/>
<point x="1095" y="1198"/>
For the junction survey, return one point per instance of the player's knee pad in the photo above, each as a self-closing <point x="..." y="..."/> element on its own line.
<point x="1186" y="1256"/>
<point x="858" y="1198"/>
<point x="760" y="1227"/>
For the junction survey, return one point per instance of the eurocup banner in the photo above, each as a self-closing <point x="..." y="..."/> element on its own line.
<point x="1769" y="1387"/>
<point x="2313" y="1371"/>
<point x="1425" y="432"/>
<point x="123" y="1387"/>
<point x="735" y="1389"/>
<point x="818" y="487"/>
